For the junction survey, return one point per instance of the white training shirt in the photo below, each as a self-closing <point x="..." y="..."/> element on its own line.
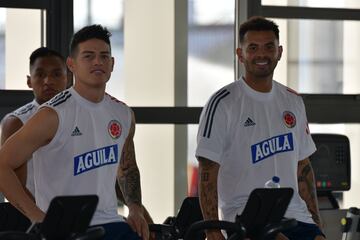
<point x="254" y="136"/>
<point x="84" y="155"/>
<point x="23" y="114"/>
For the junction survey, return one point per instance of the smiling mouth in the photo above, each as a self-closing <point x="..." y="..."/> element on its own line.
<point x="98" y="71"/>
<point x="263" y="63"/>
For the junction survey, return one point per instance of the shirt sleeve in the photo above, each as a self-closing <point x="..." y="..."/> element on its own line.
<point x="306" y="146"/>
<point x="212" y="131"/>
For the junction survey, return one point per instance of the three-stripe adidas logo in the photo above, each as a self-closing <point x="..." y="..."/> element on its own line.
<point x="249" y="122"/>
<point x="76" y="132"/>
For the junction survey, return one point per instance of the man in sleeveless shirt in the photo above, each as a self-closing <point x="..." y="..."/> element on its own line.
<point x="82" y="143"/>
<point x="254" y="129"/>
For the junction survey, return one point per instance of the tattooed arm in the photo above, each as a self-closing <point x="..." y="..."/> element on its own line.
<point x="208" y="171"/>
<point x="120" y="197"/>
<point x="128" y="178"/>
<point x="307" y="189"/>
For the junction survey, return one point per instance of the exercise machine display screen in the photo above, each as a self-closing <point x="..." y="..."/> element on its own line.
<point x="331" y="162"/>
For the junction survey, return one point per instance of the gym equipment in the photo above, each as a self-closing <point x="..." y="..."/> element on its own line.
<point x="351" y="225"/>
<point x="12" y="219"/>
<point x="262" y="217"/>
<point x="67" y="218"/>
<point x="175" y="228"/>
<point x="331" y="165"/>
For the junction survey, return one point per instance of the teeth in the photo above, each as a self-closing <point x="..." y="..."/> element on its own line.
<point x="261" y="63"/>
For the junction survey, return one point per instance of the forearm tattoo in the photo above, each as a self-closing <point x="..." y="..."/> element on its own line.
<point x="307" y="189"/>
<point x="208" y="189"/>
<point x="129" y="176"/>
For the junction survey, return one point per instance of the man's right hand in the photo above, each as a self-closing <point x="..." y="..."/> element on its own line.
<point x="214" y="235"/>
<point x="36" y="215"/>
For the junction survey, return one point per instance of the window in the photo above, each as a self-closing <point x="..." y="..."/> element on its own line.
<point x="17" y="26"/>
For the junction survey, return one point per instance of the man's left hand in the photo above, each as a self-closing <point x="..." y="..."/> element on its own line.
<point x="137" y="221"/>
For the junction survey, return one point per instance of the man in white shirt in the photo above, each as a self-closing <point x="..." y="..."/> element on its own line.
<point x="254" y="129"/>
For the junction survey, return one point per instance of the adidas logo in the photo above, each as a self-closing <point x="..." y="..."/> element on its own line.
<point x="76" y="132"/>
<point x="249" y="122"/>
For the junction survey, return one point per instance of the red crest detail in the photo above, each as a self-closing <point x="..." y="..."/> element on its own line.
<point x="114" y="129"/>
<point x="289" y="119"/>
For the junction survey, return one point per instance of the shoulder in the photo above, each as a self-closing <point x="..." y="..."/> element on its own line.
<point x="59" y="99"/>
<point x="114" y="100"/>
<point x="9" y="125"/>
<point x="26" y="109"/>
<point x="288" y="92"/>
<point x="226" y="92"/>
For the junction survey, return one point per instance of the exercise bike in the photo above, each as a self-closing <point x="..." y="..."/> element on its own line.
<point x="262" y="218"/>
<point x="67" y="218"/>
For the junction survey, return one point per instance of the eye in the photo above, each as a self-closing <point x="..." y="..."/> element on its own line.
<point x="252" y="48"/>
<point x="105" y="57"/>
<point x="40" y="75"/>
<point x="58" y="74"/>
<point x="270" y="47"/>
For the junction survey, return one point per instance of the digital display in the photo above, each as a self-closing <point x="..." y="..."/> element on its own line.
<point x="331" y="162"/>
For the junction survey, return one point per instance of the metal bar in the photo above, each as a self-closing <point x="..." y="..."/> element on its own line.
<point x="33" y="4"/>
<point x="288" y="12"/>
<point x="321" y="108"/>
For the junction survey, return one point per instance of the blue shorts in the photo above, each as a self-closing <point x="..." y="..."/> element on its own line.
<point x="119" y="231"/>
<point x="303" y="231"/>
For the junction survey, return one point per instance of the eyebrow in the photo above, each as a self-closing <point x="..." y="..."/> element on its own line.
<point x="44" y="69"/>
<point x="92" y="52"/>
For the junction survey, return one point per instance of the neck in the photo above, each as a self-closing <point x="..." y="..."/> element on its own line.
<point x="260" y="84"/>
<point x="92" y="94"/>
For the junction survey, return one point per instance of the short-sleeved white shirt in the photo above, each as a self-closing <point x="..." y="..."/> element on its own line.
<point x="23" y="114"/>
<point x="254" y="136"/>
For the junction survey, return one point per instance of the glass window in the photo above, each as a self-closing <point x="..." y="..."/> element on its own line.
<point x="319" y="56"/>
<point x="314" y="3"/>
<point x="15" y="26"/>
<point x="154" y="148"/>
<point x="210" y="61"/>
<point x="88" y="12"/>
<point x="210" y="48"/>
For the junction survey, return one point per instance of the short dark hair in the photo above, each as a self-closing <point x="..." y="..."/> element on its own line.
<point x="258" y="23"/>
<point x="89" y="32"/>
<point x="44" y="52"/>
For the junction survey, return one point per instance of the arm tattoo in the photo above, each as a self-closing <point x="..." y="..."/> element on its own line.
<point x="307" y="189"/>
<point x="208" y="188"/>
<point x="129" y="175"/>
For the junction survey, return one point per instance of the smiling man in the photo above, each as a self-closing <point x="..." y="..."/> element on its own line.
<point x="254" y="129"/>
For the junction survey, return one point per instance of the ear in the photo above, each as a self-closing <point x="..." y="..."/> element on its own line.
<point x="239" y="54"/>
<point x="113" y="62"/>
<point x="70" y="63"/>
<point x="28" y="81"/>
<point x="280" y="52"/>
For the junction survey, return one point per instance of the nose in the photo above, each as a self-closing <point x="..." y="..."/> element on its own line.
<point x="49" y="79"/>
<point x="98" y="60"/>
<point x="261" y="52"/>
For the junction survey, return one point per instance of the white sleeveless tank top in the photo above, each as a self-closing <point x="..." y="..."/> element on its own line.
<point x="84" y="155"/>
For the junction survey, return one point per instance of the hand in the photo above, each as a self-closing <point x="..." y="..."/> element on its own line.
<point x="37" y="216"/>
<point x="137" y="221"/>
<point x="214" y="235"/>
